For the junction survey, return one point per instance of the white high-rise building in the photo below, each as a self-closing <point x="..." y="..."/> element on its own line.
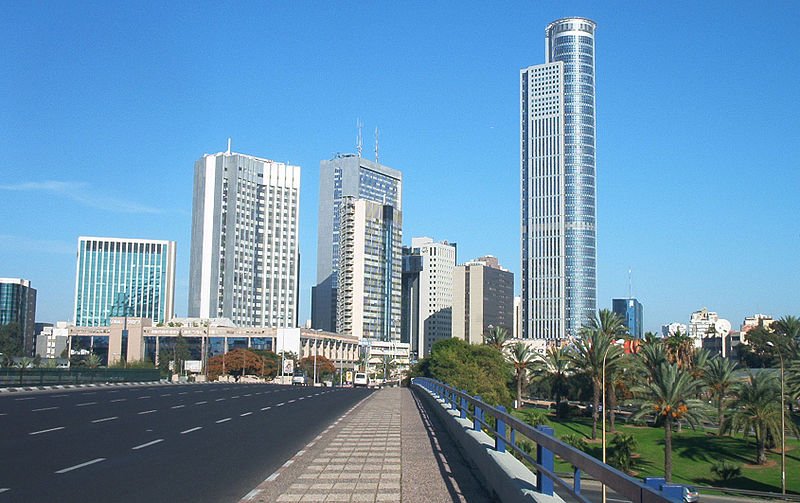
<point x="244" y="259"/>
<point x="370" y="270"/>
<point x="428" y="301"/>
<point x="557" y="172"/>
<point x="483" y="298"/>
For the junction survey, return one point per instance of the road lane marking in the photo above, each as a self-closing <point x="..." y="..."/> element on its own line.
<point x="85" y="403"/>
<point x="167" y="394"/>
<point x="199" y="391"/>
<point x="265" y="408"/>
<point x="105" y="419"/>
<point x="147" y="411"/>
<point x="65" y="470"/>
<point x="224" y="420"/>
<point x="46" y="431"/>
<point x="143" y="397"/>
<point x="58" y="396"/>
<point x="119" y="400"/>
<point x="184" y="432"/>
<point x="237" y="396"/>
<point x="148" y="444"/>
<point x="292" y="401"/>
<point x="177" y="406"/>
<point x="43" y="409"/>
<point x="249" y="394"/>
<point x="201" y="402"/>
<point x="219" y="399"/>
<point x="245" y="414"/>
<point x="4" y="489"/>
<point x="281" y="404"/>
<point x="183" y="392"/>
<point x="26" y="398"/>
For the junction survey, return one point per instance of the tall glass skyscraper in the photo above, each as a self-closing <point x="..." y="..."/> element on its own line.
<point x="117" y="277"/>
<point x="18" y="306"/>
<point x="557" y="168"/>
<point x="346" y="175"/>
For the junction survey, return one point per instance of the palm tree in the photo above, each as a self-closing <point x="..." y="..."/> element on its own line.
<point x="92" y="361"/>
<point x="670" y="398"/>
<point x="557" y="365"/>
<point x="522" y="358"/>
<point x="789" y="326"/>
<point x="595" y="345"/>
<point x="719" y="379"/>
<point x="496" y="337"/>
<point x="757" y="409"/>
<point x="680" y="349"/>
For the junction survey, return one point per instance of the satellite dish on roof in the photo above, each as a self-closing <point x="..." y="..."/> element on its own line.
<point x="723" y="327"/>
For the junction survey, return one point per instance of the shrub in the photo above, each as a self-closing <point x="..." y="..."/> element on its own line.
<point x="534" y="417"/>
<point x="622" y="447"/>
<point x="576" y="441"/>
<point x="726" y="471"/>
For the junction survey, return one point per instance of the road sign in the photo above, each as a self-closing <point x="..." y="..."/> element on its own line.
<point x="288" y="367"/>
<point x="349" y="376"/>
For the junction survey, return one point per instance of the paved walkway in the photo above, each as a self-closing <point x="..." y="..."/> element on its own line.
<point x="386" y="448"/>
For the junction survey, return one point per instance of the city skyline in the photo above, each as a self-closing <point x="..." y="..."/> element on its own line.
<point x="696" y="144"/>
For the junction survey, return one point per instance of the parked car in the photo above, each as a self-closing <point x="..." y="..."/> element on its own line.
<point x="360" y="380"/>
<point x="690" y="494"/>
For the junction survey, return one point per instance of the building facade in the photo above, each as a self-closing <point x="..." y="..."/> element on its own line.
<point x="673" y="329"/>
<point x="51" y="342"/>
<point x="483" y="298"/>
<point x="557" y="154"/>
<point x="346" y="175"/>
<point x="631" y="312"/>
<point x="370" y="270"/>
<point x="710" y="331"/>
<point x="119" y="276"/>
<point x="18" y="307"/>
<point x="245" y="260"/>
<point x="427" y="314"/>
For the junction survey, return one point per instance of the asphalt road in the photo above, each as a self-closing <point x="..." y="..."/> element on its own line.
<point x="194" y="442"/>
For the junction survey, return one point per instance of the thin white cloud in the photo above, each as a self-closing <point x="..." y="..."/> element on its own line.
<point x="28" y="245"/>
<point x="82" y="193"/>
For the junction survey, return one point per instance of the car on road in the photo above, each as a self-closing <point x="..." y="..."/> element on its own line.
<point x="690" y="494"/>
<point x="300" y="379"/>
<point x="360" y="379"/>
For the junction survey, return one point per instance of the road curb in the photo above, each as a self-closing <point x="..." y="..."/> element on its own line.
<point x="19" y="389"/>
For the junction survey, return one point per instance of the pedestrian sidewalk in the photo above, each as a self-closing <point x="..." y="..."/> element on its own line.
<point x="386" y="448"/>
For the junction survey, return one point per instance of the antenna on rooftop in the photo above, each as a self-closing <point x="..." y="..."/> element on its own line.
<point x="376" y="146"/>
<point x="229" y="145"/>
<point x="359" y="140"/>
<point x="630" y="285"/>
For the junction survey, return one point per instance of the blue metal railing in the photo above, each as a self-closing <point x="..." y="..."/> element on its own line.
<point x="505" y="430"/>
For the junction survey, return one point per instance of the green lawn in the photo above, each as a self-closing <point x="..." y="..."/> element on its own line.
<point x="694" y="452"/>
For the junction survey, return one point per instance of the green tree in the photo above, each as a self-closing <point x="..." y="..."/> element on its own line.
<point x="757" y="410"/>
<point x="669" y="397"/>
<point x="719" y="379"/>
<point x="496" y="337"/>
<point x="789" y="327"/>
<point x="522" y="359"/>
<point x="652" y="354"/>
<point x="10" y="342"/>
<point x="596" y="343"/>
<point x="478" y="369"/>
<point x="679" y="349"/>
<point x="557" y="366"/>
<point x="623" y="446"/>
<point x="92" y="361"/>
<point x="325" y="367"/>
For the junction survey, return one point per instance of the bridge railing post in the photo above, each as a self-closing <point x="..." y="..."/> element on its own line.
<point x="464" y="406"/>
<point x="476" y="418"/>
<point x="544" y="457"/>
<point x="500" y="437"/>
<point x="576" y="479"/>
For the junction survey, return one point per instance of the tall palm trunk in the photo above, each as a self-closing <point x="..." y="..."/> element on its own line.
<point x="720" y="417"/>
<point x="519" y="389"/>
<point x="596" y="388"/>
<point x="668" y="448"/>
<point x="761" y="448"/>
<point x="612" y="405"/>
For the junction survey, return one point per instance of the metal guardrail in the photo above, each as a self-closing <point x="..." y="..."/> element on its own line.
<point x="49" y="376"/>
<point x="505" y="429"/>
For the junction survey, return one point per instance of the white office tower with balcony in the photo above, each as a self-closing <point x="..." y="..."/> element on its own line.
<point x="244" y="259"/>
<point x="370" y="270"/>
<point x="427" y="293"/>
<point x="557" y="168"/>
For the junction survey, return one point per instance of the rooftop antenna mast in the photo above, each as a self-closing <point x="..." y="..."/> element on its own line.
<point x="229" y="145"/>
<point x="630" y="285"/>
<point x="376" y="146"/>
<point x="359" y="139"/>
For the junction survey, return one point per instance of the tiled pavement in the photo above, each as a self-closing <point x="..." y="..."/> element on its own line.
<point x="384" y="449"/>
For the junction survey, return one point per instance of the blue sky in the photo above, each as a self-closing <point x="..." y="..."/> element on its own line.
<point x="105" y="106"/>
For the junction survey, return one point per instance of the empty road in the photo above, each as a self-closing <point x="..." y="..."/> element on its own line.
<point x="193" y="442"/>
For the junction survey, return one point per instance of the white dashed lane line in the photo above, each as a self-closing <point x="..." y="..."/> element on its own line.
<point x="143" y="397"/>
<point x="46" y="431"/>
<point x="119" y="400"/>
<point x="265" y="408"/>
<point x="4" y="489"/>
<point x="43" y="409"/>
<point x="245" y="414"/>
<point x="26" y="398"/>
<point x="224" y="420"/>
<point x="184" y="432"/>
<point x="65" y="470"/>
<point x="219" y="399"/>
<point x="177" y="406"/>
<point x="147" y="412"/>
<point x="103" y="420"/>
<point x="200" y="402"/>
<point x="148" y="444"/>
<point x="281" y="404"/>
<point x="85" y="404"/>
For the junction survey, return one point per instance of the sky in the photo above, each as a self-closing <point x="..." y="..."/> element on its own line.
<point x="105" y="106"/>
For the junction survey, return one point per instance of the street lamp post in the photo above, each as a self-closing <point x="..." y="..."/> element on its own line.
<point x="783" y="426"/>
<point x="605" y="355"/>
